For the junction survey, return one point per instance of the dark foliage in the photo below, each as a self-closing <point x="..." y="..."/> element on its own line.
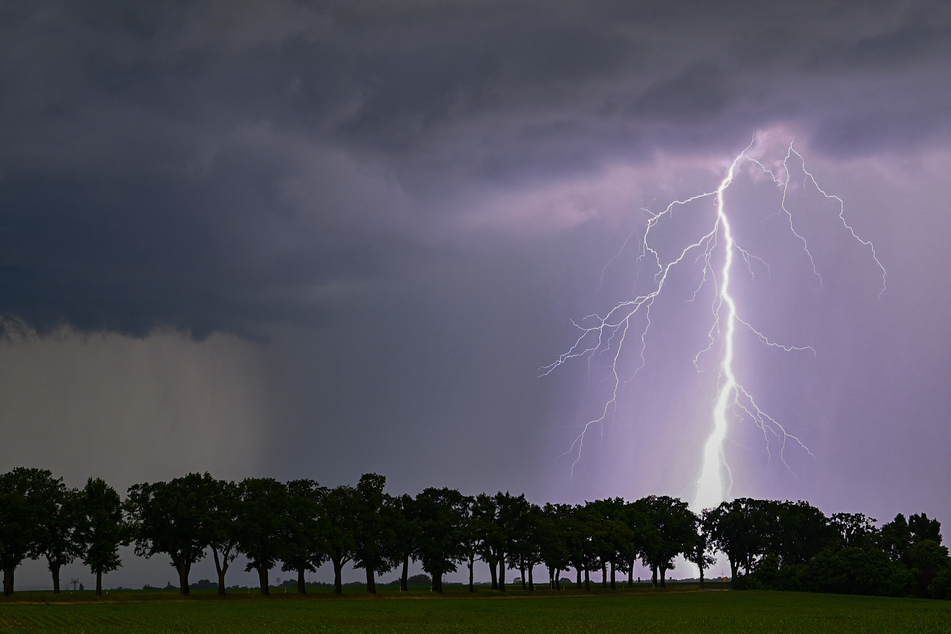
<point x="769" y="544"/>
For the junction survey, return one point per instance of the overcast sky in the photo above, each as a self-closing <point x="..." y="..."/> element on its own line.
<point x="323" y="239"/>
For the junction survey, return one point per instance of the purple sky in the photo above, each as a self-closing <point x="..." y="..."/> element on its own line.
<point x="267" y="238"/>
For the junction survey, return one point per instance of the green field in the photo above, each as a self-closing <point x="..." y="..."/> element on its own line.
<point x="542" y="612"/>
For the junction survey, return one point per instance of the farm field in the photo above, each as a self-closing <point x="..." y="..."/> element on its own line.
<point x="457" y="611"/>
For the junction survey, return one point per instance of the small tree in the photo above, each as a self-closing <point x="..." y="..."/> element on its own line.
<point x="102" y="528"/>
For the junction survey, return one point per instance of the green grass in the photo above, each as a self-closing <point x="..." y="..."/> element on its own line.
<point x="571" y="612"/>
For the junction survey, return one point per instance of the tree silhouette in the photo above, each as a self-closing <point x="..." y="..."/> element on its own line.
<point x="302" y="546"/>
<point x="102" y="528"/>
<point x="25" y="504"/>
<point x="261" y="524"/>
<point x="441" y="537"/>
<point x="174" y="518"/>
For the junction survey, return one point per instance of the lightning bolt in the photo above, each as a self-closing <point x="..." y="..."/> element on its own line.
<point x="609" y="334"/>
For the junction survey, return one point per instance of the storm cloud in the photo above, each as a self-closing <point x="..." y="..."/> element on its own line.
<point x="205" y="166"/>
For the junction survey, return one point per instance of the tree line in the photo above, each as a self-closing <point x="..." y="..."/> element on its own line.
<point x="301" y="525"/>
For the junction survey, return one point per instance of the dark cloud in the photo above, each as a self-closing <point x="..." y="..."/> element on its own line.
<point x="172" y="164"/>
<point x="698" y="93"/>
<point x="921" y="35"/>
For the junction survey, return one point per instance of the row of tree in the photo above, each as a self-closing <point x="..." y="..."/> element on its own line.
<point x="302" y="525"/>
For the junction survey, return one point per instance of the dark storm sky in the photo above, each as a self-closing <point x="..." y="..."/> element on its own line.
<point x="321" y="239"/>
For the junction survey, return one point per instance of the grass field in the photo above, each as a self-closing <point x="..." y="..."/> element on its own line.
<point x="457" y="611"/>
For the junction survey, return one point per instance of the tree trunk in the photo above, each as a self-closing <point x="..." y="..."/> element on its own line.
<point x="221" y="569"/>
<point x="587" y="581"/>
<point x="54" y="570"/>
<point x="701" y="575"/>
<point x="338" y="575"/>
<point x="604" y="574"/>
<point x="301" y="584"/>
<point x="521" y="570"/>
<point x="8" y="581"/>
<point x="613" y="580"/>
<point x="654" y="576"/>
<point x="183" y="568"/>
<point x="531" y="579"/>
<point x="437" y="583"/>
<point x="493" y="574"/>
<point x="471" y="573"/>
<point x="404" y="578"/>
<point x="557" y="579"/>
<point x="630" y="576"/>
<point x="502" y="572"/>
<point x="98" y="584"/>
<point x="551" y="578"/>
<point x="262" y="579"/>
<point x="371" y="580"/>
<point x="578" y="580"/>
<point x="663" y="577"/>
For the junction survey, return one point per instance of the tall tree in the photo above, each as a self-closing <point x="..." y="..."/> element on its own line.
<point x="102" y="528"/>
<point x="302" y="545"/>
<point x="524" y="544"/>
<point x="441" y="537"/>
<point x="551" y="541"/>
<point x="470" y="539"/>
<point x="675" y="533"/>
<point x="736" y="530"/>
<point x="26" y="503"/>
<point x="56" y="535"/>
<point x="582" y="550"/>
<point x="489" y="541"/>
<point x="174" y="518"/>
<point x="374" y="536"/>
<point x="261" y="524"/>
<point x="700" y="553"/>
<point x="511" y="518"/>
<point x="403" y="523"/>
<point x="224" y="510"/>
<point x="337" y="512"/>
<point x="612" y="534"/>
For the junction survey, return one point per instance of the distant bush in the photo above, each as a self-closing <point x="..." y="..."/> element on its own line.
<point x="414" y="580"/>
<point x="204" y="584"/>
